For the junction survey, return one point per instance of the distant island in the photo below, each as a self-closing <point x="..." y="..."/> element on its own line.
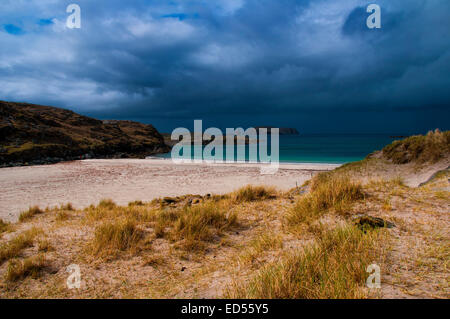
<point x="207" y="139"/>
<point x="282" y="130"/>
<point x="36" y="134"/>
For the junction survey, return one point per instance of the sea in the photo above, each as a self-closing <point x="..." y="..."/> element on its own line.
<point x="318" y="148"/>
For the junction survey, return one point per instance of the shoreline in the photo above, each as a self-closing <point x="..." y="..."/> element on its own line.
<point x="86" y="182"/>
<point x="283" y="164"/>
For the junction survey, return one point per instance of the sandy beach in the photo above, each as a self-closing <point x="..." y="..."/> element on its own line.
<point x="88" y="181"/>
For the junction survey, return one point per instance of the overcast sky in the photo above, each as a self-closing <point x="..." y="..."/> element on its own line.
<point x="312" y="65"/>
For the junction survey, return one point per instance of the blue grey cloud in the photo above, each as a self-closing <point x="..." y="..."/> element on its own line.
<point x="313" y="65"/>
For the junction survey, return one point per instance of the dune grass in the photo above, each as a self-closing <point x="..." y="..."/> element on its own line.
<point x="419" y="148"/>
<point x="201" y="223"/>
<point x="333" y="267"/>
<point x="252" y="193"/>
<point x="327" y="191"/>
<point x="28" y="214"/>
<point x="107" y="203"/>
<point x="121" y="235"/>
<point x="61" y="216"/>
<point x="15" y="246"/>
<point x="19" y="269"/>
<point x="189" y="225"/>
<point x="4" y="226"/>
<point x="67" y="206"/>
<point x="44" y="245"/>
<point x="265" y="241"/>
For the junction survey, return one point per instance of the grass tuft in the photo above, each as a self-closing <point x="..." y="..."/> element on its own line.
<point x="15" y="246"/>
<point x="116" y="236"/>
<point x="4" y="226"/>
<point x="28" y="214"/>
<point x="252" y="193"/>
<point x="200" y="223"/>
<point x="31" y="266"/>
<point x="334" y="267"/>
<point x="327" y="191"/>
<point x="264" y="242"/>
<point x="107" y="203"/>
<point x="45" y="246"/>
<point x="136" y="203"/>
<point x="67" y="206"/>
<point x="62" y="216"/>
<point x="419" y="148"/>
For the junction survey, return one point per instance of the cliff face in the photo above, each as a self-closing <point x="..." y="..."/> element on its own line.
<point x="36" y="134"/>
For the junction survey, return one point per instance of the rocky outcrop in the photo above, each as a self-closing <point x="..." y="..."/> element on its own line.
<point x="363" y="221"/>
<point x="35" y="134"/>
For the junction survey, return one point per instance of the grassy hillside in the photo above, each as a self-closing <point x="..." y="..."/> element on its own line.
<point x="419" y="148"/>
<point x="37" y="134"/>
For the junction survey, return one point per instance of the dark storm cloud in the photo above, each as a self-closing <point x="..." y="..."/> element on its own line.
<point x="248" y="60"/>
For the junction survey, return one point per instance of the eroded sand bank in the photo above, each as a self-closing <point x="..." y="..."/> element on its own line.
<point x="87" y="182"/>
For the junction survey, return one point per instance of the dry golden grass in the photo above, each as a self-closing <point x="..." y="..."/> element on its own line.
<point x="136" y="203"/>
<point x="200" y="223"/>
<point x="19" y="269"/>
<point x="67" y="206"/>
<point x="419" y="148"/>
<point x="14" y="247"/>
<point x="61" y="216"/>
<point x="120" y="235"/>
<point x="4" y="226"/>
<point x="28" y="214"/>
<point x="153" y="261"/>
<point x="44" y="245"/>
<point x="333" y="267"/>
<point x="327" y="191"/>
<point x="253" y="193"/>
<point x="107" y="203"/>
<point x="200" y="245"/>
<point x="262" y="243"/>
<point x="442" y="195"/>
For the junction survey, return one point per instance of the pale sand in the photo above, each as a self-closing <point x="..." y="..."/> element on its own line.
<point x="124" y="180"/>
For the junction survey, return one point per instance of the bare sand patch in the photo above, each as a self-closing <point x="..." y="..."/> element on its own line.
<point x="86" y="182"/>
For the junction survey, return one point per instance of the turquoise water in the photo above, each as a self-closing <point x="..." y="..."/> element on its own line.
<point x="325" y="148"/>
<point x="329" y="149"/>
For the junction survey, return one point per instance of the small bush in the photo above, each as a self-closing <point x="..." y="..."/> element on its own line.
<point x="32" y="211"/>
<point x="333" y="268"/>
<point x="21" y="269"/>
<point x="327" y="191"/>
<point x="253" y="193"/>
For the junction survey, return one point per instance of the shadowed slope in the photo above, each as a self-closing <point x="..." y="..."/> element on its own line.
<point x="41" y="134"/>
